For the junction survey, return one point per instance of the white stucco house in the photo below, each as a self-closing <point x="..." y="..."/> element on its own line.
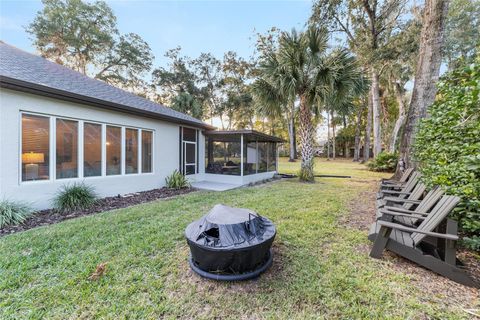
<point x="58" y="126"/>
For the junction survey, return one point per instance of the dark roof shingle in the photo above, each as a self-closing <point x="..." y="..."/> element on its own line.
<point x="20" y="67"/>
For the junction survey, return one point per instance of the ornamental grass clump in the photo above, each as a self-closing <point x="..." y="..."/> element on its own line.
<point x="77" y="196"/>
<point x="177" y="181"/>
<point x="12" y="212"/>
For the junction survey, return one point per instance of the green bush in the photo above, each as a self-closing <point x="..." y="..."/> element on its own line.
<point x="447" y="146"/>
<point x="77" y="196"/>
<point x="384" y="162"/>
<point x="176" y="181"/>
<point x="13" y="212"/>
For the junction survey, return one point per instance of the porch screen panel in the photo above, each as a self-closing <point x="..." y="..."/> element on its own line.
<point x="92" y="150"/>
<point x="35" y="148"/>
<point x="147" y="140"/>
<point x="272" y="156"/>
<point x="131" y="151"/>
<point x="250" y="160"/>
<point x="66" y="149"/>
<point x="262" y="156"/>
<point x="114" y="150"/>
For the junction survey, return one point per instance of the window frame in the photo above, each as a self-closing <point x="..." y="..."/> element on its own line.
<point x="80" y="148"/>
<point x="79" y="158"/>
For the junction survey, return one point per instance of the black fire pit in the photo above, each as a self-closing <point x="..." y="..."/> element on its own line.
<point x="230" y="244"/>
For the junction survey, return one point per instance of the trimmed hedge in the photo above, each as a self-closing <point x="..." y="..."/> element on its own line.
<point x="447" y="146"/>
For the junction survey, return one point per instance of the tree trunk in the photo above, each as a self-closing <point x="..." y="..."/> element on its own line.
<point x="291" y="138"/>
<point x="306" y="140"/>
<point x="368" y="130"/>
<point x="333" y="138"/>
<point x="295" y="152"/>
<point x="356" y="152"/>
<point x="328" y="135"/>
<point x="377" y="131"/>
<point x="401" y="116"/>
<point x="426" y="76"/>
<point x="345" y="147"/>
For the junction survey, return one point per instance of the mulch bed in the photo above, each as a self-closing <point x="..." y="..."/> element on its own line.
<point x="50" y="216"/>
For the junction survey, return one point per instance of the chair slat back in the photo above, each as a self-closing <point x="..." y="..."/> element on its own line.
<point x="415" y="195"/>
<point x="438" y="214"/>
<point x="430" y="200"/>
<point x="406" y="174"/>
<point x="412" y="182"/>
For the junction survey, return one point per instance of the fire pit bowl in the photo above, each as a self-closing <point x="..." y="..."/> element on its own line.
<point x="230" y="244"/>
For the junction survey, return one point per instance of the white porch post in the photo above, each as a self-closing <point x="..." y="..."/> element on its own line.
<point x="241" y="154"/>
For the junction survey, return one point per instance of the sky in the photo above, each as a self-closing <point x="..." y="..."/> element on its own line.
<point x="196" y="26"/>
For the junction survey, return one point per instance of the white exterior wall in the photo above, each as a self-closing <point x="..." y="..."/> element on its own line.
<point x="40" y="193"/>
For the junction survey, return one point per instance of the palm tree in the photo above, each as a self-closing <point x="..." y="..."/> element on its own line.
<point x="301" y="69"/>
<point x="273" y="99"/>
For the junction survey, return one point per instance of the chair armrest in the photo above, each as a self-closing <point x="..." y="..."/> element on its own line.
<point x="393" y="199"/>
<point x="405" y="210"/>
<point x="394" y="192"/>
<point x="400" y="214"/>
<point x="391" y="225"/>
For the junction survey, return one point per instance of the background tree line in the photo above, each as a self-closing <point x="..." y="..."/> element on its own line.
<point x="381" y="39"/>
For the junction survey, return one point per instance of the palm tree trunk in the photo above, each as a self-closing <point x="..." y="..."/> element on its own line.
<point x="291" y="138"/>
<point x="377" y="131"/>
<point x="333" y="138"/>
<point x="356" y="152"/>
<point x="401" y="116"/>
<point x="368" y="130"/>
<point x="426" y="76"/>
<point x="294" y="130"/>
<point x="306" y="140"/>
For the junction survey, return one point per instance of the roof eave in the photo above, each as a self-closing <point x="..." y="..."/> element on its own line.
<point x="255" y="133"/>
<point x="28" y="87"/>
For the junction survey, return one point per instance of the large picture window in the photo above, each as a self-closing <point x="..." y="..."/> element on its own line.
<point x="147" y="140"/>
<point x="92" y="150"/>
<point x="82" y="149"/>
<point x="131" y="151"/>
<point x="66" y="149"/>
<point x="114" y="150"/>
<point x="35" y="147"/>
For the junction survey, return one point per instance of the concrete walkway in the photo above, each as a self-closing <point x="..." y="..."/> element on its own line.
<point x="214" y="186"/>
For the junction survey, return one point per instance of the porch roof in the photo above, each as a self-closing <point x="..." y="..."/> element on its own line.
<point x="248" y="135"/>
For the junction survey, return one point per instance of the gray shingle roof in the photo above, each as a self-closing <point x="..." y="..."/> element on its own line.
<point x="37" y="72"/>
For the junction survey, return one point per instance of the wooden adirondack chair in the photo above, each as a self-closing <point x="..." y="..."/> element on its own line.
<point x="407" y="203"/>
<point x="403" y="179"/>
<point x="415" y="244"/>
<point x="403" y="191"/>
<point x="398" y="213"/>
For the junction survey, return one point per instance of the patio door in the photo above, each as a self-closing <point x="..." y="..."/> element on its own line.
<point x="188" y="150"/>
<point x="190" y="157"/>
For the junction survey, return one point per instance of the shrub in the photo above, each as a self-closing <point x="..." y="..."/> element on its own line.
<point x="12" y="212"/>
<point x="448" y="146"/>
<point x="77" y="196"/>
<point x="177" y="181"/>
<point x="384" y="162"/>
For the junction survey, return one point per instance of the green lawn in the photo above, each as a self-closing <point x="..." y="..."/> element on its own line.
<point x="318" y="272"/>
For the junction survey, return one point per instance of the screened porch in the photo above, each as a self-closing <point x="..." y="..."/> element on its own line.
<point x="240" y="153"/>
